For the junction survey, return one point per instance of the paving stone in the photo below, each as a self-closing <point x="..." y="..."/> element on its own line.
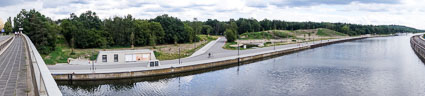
<point x="13" y="70"/>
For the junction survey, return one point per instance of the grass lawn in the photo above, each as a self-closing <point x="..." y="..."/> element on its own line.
<point x="327" y="32"/>
<point x="283" y="34"/>
<point x="255" y="35"/>
<point x="63" y="52"/>
<point x="184" y="53"/>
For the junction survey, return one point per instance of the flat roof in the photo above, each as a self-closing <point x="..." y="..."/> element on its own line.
<point x="128" y="51"/>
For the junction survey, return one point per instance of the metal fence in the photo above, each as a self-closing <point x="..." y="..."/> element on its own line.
<point x="45" y="85"/>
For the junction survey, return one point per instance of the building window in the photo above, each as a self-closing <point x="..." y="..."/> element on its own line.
<point x="115" y="57"/>
<point x="104" y="58"/>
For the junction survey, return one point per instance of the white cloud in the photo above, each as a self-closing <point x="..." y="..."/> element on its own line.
<point x="406" y="12"/>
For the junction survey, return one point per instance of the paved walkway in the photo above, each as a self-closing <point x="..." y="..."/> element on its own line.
<point x="216" y="50"/>
<point x="13" y="72"/>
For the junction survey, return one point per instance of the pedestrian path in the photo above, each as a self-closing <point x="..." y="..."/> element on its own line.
<point x="13" y="70"/>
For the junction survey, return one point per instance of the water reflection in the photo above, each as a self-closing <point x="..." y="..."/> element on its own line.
<point x="375" y="66"/>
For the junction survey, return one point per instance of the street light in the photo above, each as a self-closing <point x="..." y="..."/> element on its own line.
<point x="179" y="55"/>
<point x="238" y="52"/>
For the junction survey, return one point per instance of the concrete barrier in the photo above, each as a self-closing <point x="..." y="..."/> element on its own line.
<point x="190" y="66"/>
<point x="417" y="43"/>
<point x="45" y="85"/>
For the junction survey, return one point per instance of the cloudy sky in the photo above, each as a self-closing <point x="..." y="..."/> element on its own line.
<point x="402" y="12"/>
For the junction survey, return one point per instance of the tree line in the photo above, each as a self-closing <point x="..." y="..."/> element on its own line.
<point x="87" y="30"/>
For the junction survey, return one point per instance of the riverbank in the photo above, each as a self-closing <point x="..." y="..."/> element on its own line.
<point x="167" y="67"/>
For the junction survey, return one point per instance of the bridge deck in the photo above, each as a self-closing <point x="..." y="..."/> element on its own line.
<point x="13" y="70"/>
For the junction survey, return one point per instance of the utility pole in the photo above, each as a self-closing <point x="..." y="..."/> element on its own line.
<point x="238" y="53"/>
<point x="93" y="65"/>
<point x="179" y="55"/>
<point x="238" y="48"/>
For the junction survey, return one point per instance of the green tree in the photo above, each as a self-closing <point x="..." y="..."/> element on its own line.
<point x="173" y="28"/>
<point x="157" y="33"/>
<point x="196" y="26"/>
<point x="8" y="26"/>
<point x="345" y="28"/>
<point x="190" y="33"/>
<point x="142" y="32"/>
<point x="206" y="29"/>
<point x="244" y="26"/>
<point x="40" y="29"/>
<point x="85" y="31"/>
<point x="234" y="26"/>
<point x="230" y="35"/>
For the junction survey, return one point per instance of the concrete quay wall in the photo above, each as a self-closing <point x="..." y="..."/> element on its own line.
<point x="417" y="43"/>
<point x="186" y="68"/>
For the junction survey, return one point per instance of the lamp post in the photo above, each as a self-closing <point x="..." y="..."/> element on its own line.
<point x="179" y="55"/>
<point x="238" y="48"/>
<point x="238" y="53"/>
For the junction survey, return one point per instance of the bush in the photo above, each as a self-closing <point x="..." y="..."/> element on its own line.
<point x="230" y="35"/>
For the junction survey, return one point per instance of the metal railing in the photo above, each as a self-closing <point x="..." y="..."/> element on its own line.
<point x="45" y="85"/>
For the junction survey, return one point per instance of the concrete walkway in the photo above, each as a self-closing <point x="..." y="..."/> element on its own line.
<point x="218" y="53"/>
<point x="13" y="70"/>
<point x="205" y="48"/>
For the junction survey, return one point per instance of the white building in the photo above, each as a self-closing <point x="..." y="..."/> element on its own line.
<point x="125" y="56"/>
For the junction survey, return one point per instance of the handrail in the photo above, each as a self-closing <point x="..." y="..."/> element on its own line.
<point x="45" y="84"/>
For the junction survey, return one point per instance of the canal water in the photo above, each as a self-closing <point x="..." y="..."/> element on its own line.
<point x="383" y="66"/>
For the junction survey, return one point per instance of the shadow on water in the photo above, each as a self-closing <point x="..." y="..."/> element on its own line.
<point x="127" y="83"/>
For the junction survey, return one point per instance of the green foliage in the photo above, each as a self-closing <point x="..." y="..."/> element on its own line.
<point x="173" y="28"/>
<point x="256" y="35"/>
<point x="345" y="29"/>
<point x="157" y="33"/>
<point x="84" y="31"/>
<point x="8" y="26"/>
<point x="230" y="35"/>
<point x="206" y="29"/>
<point x="40" y="29"/>
<point x="327" y="32"/>
<point x="190" y="33"/>
<point x="283" y="34"/>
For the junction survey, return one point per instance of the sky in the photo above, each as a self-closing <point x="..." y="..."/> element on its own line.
<point x="375" y="12"/>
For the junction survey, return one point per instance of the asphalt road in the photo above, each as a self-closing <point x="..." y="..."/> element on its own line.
<point x="13" y="71"/>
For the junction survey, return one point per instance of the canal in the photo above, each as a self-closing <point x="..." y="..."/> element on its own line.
<point x="375" y="66"/>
